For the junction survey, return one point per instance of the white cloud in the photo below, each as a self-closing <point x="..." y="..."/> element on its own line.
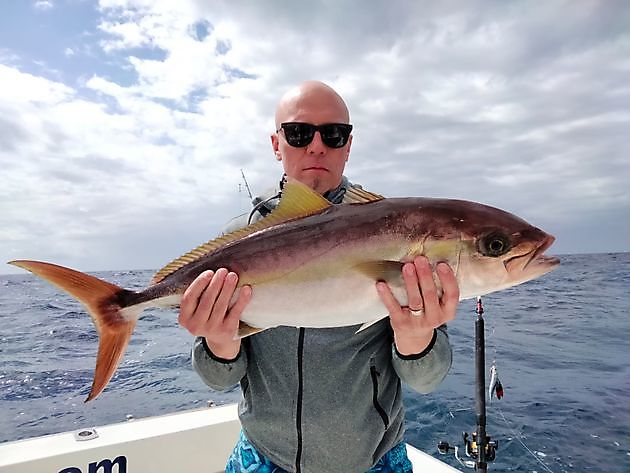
<point x="20" y="88"/>
<point x="43" y="5"/>
<point x="492" y="102"/>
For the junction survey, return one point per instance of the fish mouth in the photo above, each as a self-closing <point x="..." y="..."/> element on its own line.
<point x="535" y="260"/>
<point x="541" y="259"/>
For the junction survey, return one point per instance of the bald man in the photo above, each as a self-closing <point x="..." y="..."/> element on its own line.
<point x="320" y="400"/>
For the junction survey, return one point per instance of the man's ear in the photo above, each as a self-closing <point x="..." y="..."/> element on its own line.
<point x="275" y="144"/>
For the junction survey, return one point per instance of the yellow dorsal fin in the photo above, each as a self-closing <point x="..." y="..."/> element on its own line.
<point x="356" y="195"/>
<point x="297" y="201"/>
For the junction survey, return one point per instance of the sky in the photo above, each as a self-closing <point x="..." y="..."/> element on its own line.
<point x="125" y="124"/>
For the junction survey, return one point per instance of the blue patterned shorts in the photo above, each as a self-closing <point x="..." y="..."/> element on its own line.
<point x="246" y="459"/>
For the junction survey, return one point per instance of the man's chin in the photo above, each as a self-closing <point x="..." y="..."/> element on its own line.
<point x="315" y="183"/>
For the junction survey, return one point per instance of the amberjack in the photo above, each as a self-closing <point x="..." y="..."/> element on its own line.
<point x="314" y="264"/>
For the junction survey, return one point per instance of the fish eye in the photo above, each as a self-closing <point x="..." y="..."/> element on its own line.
<point x="494" y="244"/>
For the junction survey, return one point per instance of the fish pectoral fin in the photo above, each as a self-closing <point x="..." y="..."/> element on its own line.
<point x="369" y="324"/>
<point x="245" y="330"/>
<point x="382" y="270"/>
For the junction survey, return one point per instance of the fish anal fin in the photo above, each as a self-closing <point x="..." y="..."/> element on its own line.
<point x="382" y="270"/>
<point x="297" y="201"/>
<point x="369" y="324"/>
<point x="245" y="330"/>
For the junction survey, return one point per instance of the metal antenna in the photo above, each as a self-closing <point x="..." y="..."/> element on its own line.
<point x="249" y="192"/>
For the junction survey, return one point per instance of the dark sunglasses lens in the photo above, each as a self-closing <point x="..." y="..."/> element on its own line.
<point x="335" y="135"/>
<point x="298" y="134"/>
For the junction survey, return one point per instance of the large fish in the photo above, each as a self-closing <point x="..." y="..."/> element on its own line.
<point x="313" y="264"/>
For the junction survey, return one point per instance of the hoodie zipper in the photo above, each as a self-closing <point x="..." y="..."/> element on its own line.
<point x="298" y="416"/>
<point x="377" y="405"/>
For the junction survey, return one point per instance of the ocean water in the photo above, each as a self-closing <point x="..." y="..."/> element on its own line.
<point x="561" y="345"/>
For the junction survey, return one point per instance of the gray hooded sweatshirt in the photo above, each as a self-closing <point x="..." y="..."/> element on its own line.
<point x="323" y="400"/>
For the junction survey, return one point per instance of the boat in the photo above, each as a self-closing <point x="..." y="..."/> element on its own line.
<point x="198" y="440"/>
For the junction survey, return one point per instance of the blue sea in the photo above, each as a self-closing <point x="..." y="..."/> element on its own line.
<point x="561" y="346"/>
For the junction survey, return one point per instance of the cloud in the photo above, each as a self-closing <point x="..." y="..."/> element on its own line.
<point x="490" y="101"/>
<point x="43" y="5"/>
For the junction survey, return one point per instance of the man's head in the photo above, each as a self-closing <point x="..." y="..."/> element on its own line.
<point x="316" y="164"/>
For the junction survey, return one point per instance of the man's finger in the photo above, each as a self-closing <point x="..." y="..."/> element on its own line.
<point x="191" y="296"/>
<point x="224" y="296"/>
<point x="427" y="284"/>
<point x="208" y="298"/>
<point x="450" y="288"/>
<point x="410" y="276"/>
<point x="234" y="314"/>
<point x="390" y="302"/>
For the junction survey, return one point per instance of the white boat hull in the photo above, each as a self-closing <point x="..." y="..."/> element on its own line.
<point x="195" y="441"/>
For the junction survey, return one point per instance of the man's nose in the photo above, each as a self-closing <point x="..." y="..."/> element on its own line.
<point x="316" y="146"/>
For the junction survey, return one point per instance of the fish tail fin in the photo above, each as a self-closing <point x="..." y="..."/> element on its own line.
<point x="105" y="303"/>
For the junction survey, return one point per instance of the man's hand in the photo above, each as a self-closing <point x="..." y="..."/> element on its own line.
<point x="413" y="333"/>
<point x="205" y="311"/>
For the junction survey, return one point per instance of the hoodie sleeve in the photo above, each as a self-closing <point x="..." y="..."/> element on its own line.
<point x="425" y="371"/>
<point x="216" y="372"/>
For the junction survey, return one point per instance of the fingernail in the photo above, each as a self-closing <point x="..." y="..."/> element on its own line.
<point x="443" y="268"/>
<point x="423" y="262"/>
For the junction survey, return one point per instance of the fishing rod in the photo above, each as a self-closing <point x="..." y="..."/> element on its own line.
<point x="479" y="445"/>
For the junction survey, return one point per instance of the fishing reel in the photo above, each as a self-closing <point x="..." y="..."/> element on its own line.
<point x="471" y="448"/>
<point x="444" y="448"/>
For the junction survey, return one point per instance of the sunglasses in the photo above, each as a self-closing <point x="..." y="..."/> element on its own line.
<point x="299" y="135"/>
